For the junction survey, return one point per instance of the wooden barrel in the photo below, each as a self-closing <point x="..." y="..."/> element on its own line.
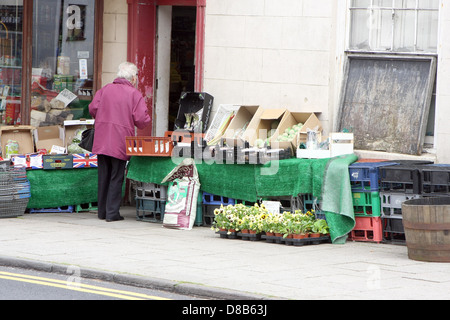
<point x="427" y="228"/>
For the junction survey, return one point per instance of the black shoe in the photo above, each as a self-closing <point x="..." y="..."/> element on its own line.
<point x="115" y="219"/>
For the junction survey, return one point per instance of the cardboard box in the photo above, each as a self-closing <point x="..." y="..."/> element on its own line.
<point x="57" y="161"/>
<point x="261" y="124"/>
<point x="313" y="154"/>
<point x="22" y="134"/>
<point x="309" y="120"/>
<point x="235" y="133"/>
<point x="85" y="160"/>
<point x="340" y="144"/>
<point x="71" y="127"/>
<point x="219" y="122"/>
<point x="47" y="137"/>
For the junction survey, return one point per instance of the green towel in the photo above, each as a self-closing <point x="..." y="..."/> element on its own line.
<point x="59" y="188"/>
<point x="247" y="182"/>
<point x="337" y="201"/>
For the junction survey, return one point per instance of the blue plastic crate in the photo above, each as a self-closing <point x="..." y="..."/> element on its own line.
<point x="365" y="176"/>
<point x="209" y="198"/>
<point x="68" y="209"/>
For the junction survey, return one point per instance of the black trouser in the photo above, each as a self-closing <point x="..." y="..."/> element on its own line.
<point x="111" y="174"/>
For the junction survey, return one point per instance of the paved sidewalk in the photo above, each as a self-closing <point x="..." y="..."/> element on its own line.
<point x="200" y="262"/>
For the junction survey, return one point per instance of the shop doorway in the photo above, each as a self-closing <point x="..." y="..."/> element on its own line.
<point x="175" y="62"/>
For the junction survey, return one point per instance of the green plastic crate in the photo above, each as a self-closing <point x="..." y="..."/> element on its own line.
<point x="366" y="204"/>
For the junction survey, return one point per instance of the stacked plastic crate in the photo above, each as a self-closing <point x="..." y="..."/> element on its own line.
<point x="150" y="202"/>
<point x="312" y="204"/>
<point x="210" y="202"/>
<point x="365" y="184"/>
<point x="14" y="190"/>
<point x="399" y="183"/>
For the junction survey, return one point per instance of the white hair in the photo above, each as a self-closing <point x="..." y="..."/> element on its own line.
<point x="127" y="70"/>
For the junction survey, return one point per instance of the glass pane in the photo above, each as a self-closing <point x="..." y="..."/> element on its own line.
<point x="406" y="4"/>
<point x="429" y="4"/>
<point x="11" y="17"/>
<point x="63" y="60"/>
<point x="359" y="36"/>
<point x="383" y="3"/>
<point x="404" y="30"/>
<point x="381" y="34"/>
<point x="427" y="31"/>
<point x="361" y="3"/>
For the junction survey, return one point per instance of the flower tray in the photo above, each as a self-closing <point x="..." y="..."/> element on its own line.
<point x="296" y="242"/>
<point x="249" y="236"/>
<point x="228" y="235"/>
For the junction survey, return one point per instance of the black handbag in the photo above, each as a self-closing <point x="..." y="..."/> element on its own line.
<point x="87" y="139"/>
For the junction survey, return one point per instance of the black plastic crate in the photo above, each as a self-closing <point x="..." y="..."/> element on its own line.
<point x="435" y="179"/>
<point x="208" y="214"/>
<point x="393" y="230"/>
<point x="401" y="178"/>
<point x="150" y="210"/>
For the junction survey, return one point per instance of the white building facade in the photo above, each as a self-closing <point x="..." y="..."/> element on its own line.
<point x="293" y="53"/>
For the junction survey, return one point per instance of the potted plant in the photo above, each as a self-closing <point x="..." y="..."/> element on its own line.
<point x="225" y="219"/>
<point x="320" y="227"/>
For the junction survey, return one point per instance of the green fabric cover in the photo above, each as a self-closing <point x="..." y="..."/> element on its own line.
<point x="337" y="201"/>
<point x="59" y="188"/>
<point x="246" y="182"/>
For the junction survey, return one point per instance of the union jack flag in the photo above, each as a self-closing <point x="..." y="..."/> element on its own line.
<point x="84" y="160"/>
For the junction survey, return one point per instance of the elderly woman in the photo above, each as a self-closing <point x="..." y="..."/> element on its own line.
<point x="117" y="108"/>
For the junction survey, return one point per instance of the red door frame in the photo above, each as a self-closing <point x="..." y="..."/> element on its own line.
<point x="142" y="44"/>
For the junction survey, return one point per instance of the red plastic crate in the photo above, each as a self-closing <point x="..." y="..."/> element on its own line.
<point x="149" y="146"/>
<point x="367" y="229"/>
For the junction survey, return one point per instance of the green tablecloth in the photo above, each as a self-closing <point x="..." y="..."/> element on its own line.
<point x="59" y="188"/>
<point x="247" y="182"/>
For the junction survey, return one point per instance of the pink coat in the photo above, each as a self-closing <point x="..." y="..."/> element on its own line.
<point x="117" y="108"/>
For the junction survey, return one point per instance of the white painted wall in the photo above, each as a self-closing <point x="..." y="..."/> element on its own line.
<point x="280" y="53"/>
<point x="114" y="38"/>
<point x="442" y="127"/>
<point x="272" y="53"/>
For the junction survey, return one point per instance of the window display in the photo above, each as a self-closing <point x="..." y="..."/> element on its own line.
<point x="11" y="17"/>
<point x="63" y="58"/>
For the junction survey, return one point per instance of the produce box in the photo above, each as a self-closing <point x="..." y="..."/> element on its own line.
<point x="71" y="127"/>
<point x="57" y="161"/>
<point x="263" y="125"/>
<point x="219" y="124"/>
<point x="287" y="136"/>
<point x="23" y="135"/>
<point x="47" y="137"/>
<point x="235" y="133"/>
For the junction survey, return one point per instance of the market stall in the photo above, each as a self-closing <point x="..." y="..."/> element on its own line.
<point x="248" y="182"/>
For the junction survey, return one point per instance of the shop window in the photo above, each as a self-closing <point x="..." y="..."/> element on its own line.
<point x="394" y="25"/>
<point x="11" y="21"/>
<point x="62" y="60"/>
<point x="410" y="27"/>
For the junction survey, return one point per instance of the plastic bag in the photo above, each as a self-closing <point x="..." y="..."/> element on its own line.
<point x="11" y="148"/>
